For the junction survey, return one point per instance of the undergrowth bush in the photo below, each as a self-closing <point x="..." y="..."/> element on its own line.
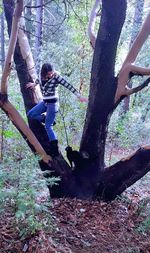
<point x="23" y="188"/>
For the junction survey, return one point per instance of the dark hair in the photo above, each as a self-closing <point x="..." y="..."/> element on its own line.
<point x="46" y="67"/>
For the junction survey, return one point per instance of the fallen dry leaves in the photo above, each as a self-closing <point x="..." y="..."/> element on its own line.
<point x="81" y="226"/>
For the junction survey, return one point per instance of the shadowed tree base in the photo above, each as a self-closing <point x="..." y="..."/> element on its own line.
<point x="86" y="183"/>
<point x="123" y="174"/>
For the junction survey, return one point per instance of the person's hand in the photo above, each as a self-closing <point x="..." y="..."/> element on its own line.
<point x="83" y="99"/>
<point x="30" y="86"/>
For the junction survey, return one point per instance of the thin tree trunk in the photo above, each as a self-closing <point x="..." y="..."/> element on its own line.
<point x="92" y="21"/>
<point x="38" y="33"/>
<point x="28" y="15"/>
<point x="2" y="40"/>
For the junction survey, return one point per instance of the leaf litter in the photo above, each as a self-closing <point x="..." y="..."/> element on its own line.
<point x="83" y="227"/>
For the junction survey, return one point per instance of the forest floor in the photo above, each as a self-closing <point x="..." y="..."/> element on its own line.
<point x="75" y="226"/>
<point x="121" y="226"/>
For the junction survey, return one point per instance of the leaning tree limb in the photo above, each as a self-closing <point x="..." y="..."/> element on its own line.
<point x="92" y="22"/>
<point x="11" y="47"/>
<point x="128" y="65"/>
<point x="7" y="107"/>
<point x="118" y="177"/>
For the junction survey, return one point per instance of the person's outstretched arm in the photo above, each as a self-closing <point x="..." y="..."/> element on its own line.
<point x="67" y="85"/>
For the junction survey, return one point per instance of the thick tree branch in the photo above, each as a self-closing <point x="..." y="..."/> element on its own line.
<point x="11" y="47"/>
<point x="139" y="41"/>
<point x="20" y="124"/>
<point x="128" y="66"/>
<point x="124" y="77"/>
<point x="120" y="176"/>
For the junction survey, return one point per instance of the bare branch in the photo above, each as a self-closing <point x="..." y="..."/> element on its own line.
<point x="75" y="13"/>
<point x="128" y="66"/>
<point x="37" y="6"/>
<point x="92" y="21"/>
<point x="138" y="88"/>
<point x="124" y="77"/>
<point x="11" y="47"/>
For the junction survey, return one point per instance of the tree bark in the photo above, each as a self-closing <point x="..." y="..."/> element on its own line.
<point x="28" y="58"/>
<point x="92" y="21"/>
<point x="2" y="40"/>
<point x="38" y="33"/>
<point x="117" y="178"/>
<point x="28" y="15"/>
<point x="103" y="82"/>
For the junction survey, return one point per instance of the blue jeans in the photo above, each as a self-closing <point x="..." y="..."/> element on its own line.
<point x="37" y="113"/>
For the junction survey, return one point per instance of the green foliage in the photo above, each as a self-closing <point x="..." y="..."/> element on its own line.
<point x="74" y="64"/>
<point x="9" y="134"/>
<point x="128" y="131"/>
<point x="145" y="226"/>
<point x="22" y="187"/>
<point x="143" y="211"/>
<point x="1" y="7"/>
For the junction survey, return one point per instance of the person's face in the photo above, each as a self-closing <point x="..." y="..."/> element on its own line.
<point x="49" y="74"/>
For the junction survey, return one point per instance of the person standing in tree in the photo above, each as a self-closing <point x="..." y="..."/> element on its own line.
<point x="50" y="81"/>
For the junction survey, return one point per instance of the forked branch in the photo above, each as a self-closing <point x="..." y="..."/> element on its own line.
<point x="128" y="65"/>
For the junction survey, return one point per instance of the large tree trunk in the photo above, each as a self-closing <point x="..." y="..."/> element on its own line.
<point x="103" y="82"/>
<point x="90" y="179"/>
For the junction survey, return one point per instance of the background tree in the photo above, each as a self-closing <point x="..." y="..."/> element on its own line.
<point x="28" y="15"/>
<point x="90" y="178"/>
<point x="38" y="32"/>
<point x="2" y="40"/>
